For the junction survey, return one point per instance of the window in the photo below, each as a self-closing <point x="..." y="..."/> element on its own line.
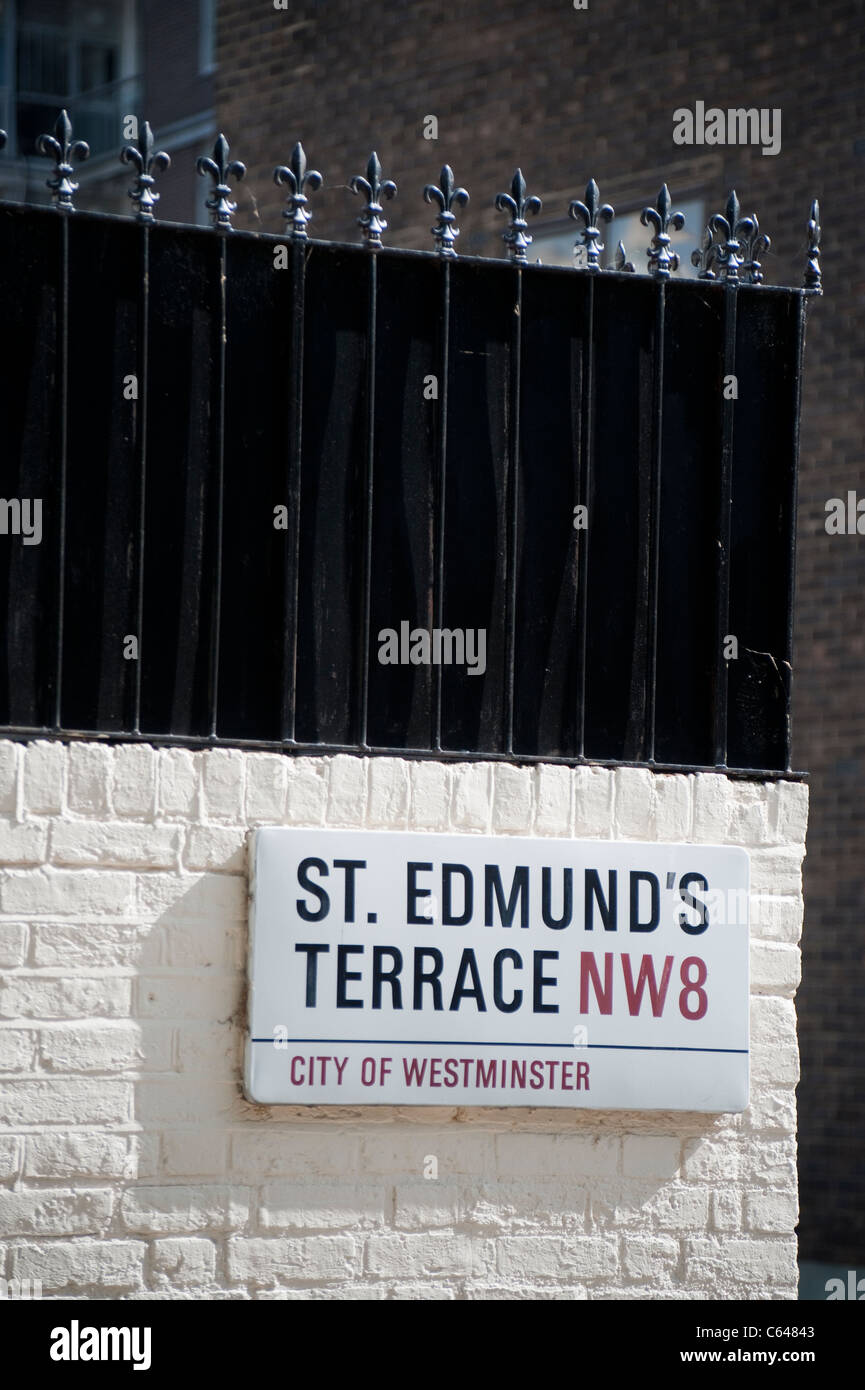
<point x="74" y="62"/>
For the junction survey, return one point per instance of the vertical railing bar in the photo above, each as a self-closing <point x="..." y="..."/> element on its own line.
<point x="587" y="427"/>
<point x="141" y="455"/>
<point x="801" y="318"/>
<point x="219" y="425"/>
<point x="440" y="500"/>
<point x="512" y="482"/>
<point x="725" y="502"/>
<point x="655" y="526"/>
<point x="61" y="501"/>
<point x="366" y="551"/>
<point x="292" y="554"/>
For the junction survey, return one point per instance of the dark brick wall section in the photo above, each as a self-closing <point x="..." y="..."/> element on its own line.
<point x="174" y="87"/>
<point x="568" y="94"/>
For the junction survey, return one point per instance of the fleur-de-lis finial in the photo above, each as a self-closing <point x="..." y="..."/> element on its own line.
<point x="148" y="165"/>
<point x="62" y="149"/>
<point x="296" y="177"/>
<point x="371" y="221"/>
<point x="590" y="213"/>
<point x="517" y="205"/>
<point x="705" y="256"/>
<point x="220" y="168"/>
<point x="735" y="236"/>
<point x="754" y="244"/>
<point x="661" y="261"/>
<point x="813" y="272"/>
<point x="448" y="196"/>
<point x="621" y="262"/>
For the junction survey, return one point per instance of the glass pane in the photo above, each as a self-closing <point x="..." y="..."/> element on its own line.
<point x="43" y="63"/>
<point x="98" y="125"/>
<point x="553" y="248"/>
<point x="34" y="119"/>
<point x="98" y="65"/>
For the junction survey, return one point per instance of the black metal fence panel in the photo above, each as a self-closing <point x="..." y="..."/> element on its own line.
<point x="407" y="434"/>
<point x="616" y="597"/>
<point x="554" y="384"/>
<point x="100" y="571"/>
<point x="761" y="555"/>
<point x="300" y="495"/>
<point x="690" y="541"/>
<point x="31" y="409"/>
<point x="334" y="495"/>
<point x="479" y="503"/>
<point x="257" y="445"/>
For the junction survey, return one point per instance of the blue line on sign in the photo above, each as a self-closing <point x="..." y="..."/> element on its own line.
<point x="446" y="1042"/>
<point x="635" y="1047"/>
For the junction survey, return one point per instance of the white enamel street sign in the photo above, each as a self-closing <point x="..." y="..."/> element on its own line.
<point x="416" y="969"/>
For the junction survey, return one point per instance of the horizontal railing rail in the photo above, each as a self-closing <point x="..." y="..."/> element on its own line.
<point x="270" y="491"/>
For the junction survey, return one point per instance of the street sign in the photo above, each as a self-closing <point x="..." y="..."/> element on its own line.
<point x="417" y="969"/>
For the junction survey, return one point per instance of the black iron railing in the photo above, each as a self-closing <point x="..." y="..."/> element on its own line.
<point x="295" y="494"/>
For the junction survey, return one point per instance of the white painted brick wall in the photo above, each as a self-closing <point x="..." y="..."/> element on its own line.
<point x="131" y="1165"/>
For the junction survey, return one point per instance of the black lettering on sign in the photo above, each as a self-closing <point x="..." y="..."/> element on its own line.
<point x="639" y="876"/>
<point x="557" y="923"/>
<point x="303" y="871"/>
<point x="503" y="1005"/>
<point x="519" y="895"/>
<point x="449" y="917"/>
<point x="412" y="893"/>
<point x="343" y="975"/>
<point x="350" y="866"/>
<point x="540" y="981"/>
<point x="380" y="976"/>
<point x="468" y="966"/>
<point x="312" y="949"/>
<point x="690" y="901"/>
<point x="594" y="893"/>
<point x="430" y="977"/>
